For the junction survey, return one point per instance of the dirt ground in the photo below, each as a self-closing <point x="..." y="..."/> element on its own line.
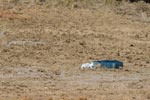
<point x="41" y="51"/>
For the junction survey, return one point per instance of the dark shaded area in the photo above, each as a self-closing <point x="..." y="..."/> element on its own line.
<point x="147" y="1"/>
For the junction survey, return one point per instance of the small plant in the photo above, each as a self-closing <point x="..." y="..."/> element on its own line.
<point x="109" y="1"/>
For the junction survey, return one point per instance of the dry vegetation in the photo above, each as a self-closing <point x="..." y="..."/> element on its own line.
<point x="43" y="43"/>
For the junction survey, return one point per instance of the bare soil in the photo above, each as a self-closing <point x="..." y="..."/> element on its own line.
<point x="41" y="51"/>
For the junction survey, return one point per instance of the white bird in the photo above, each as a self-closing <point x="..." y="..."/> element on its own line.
<point x="87" y="65"/>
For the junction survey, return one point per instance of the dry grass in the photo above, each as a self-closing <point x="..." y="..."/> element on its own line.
<point x="67" y="3"/>
<point x="71" y="38"/>
<point x="28" y="98"/>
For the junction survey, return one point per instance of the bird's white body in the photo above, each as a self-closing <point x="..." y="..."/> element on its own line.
<point x="87" y="65"/>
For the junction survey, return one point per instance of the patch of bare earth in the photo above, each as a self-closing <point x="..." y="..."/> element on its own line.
<point x="40" y="57"/>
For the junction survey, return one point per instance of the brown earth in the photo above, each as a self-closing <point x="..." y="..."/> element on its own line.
<point x="42" y="49"/>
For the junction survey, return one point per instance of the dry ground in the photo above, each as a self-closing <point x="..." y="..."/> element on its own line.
<point x="42" y="49"/>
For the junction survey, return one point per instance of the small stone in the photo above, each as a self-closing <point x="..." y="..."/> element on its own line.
<point x="131" y="45"/>
<point x="57" y="73"/>
<point x="83" y="98"/>
<point x="50" y="98"/>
